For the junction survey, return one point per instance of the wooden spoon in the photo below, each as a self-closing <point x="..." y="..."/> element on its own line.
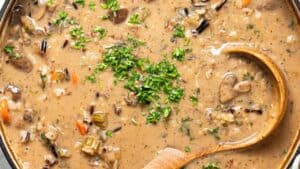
<point x="170" y="158"/>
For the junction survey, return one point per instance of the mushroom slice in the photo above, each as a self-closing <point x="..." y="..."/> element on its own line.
<point x="242" y="87"/>
<point x="226" y="92"/>
<point x="22" y="63"/>
<point x="31" y="26"/>
<point x="118" y="16"/>
<point x="15" y="91"/>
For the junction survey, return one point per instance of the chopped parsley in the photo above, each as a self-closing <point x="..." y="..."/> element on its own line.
<point x="100" y="31"/>
<point x="92" y="78"/>
<point x="92" y="6"/>
<point x="61" y="17"/>
<point x="77" y="32"/>
<point x="156" y="114"/>
<point x="80" y="2"/>
<point x="134" y="19"/>
<point x="79" y="38"/>
<point x="148" y="81"/>
<point x="292" y="24"/>
<point x="179" y="54"/>
<point x="109" y="133"/>
<point x="50" y="2"/>
<point x="9" y="50"/>
<point x="135" y="42"/>
<point x="185" y="127"/>
<point x="178" y="31"/>
<point x="187" y="149"/>
<point x="112" y="5"/>
<point x="195" y="97"/>
<point x="248" y="76"/>
<point x="211" y="165"/>
<point x="214" y="132"/>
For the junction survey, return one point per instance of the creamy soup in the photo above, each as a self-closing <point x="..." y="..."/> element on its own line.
<point x="107" y="84"/>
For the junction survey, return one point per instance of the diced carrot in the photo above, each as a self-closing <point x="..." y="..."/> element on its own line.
<point x="245" y="3"/>
<point x="53" y="75"/>
<point x="4" y="111"/>
<point x="80" y="126"/>
<point x="74" y="79"/>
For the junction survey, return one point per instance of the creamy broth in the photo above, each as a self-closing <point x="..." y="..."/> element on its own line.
<point x="65" y="82"/>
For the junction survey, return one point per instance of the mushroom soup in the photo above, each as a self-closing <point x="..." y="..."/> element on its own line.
<point x="89" y="84"/>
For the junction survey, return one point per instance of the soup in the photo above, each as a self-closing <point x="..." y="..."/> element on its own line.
<point x="88" y="84"/>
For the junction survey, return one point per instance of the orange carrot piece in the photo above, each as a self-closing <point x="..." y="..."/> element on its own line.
<point x="82" y="129"/>
<point x="4" y="111"/>
<point x="245" y="3"/>
<point x="53" y="75"/>
<point x="74" y="79"/>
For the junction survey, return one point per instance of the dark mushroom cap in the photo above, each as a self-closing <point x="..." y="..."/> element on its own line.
<point x="23" y="64"/>
<point x="118" y="16"/>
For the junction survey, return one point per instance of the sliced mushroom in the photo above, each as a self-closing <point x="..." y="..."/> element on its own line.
<point x="28" y="115"/>
<point x="31" y="26"/>
<point x="226" y="92"/>
<point x="118" y="16"/>
<point x="23" y="64"/>
<point x="15" y="91"/>
<point x="242" y="87"/>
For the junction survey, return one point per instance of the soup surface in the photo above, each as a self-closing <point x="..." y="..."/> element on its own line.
<point x="89" y="84"/>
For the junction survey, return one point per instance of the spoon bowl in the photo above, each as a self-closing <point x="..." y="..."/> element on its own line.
<point x="171" y="158"/>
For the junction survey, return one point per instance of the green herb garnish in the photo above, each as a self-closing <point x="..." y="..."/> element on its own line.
<point x="179" y="54"/>
<point x="187" y="149"/>
<point x="248" y="76"/>
<point x="156" y="114"/>
<point x="9" y="50"/>
<point x="195" y="97"/>
<point x="92" y="6"/>
<point x="214" y="132"/>
<point x="134" y="19"/>
<point x="185" y="127"/>
<point x="80" y="2"/>
<point x="179" y="31"/>
<point x="134" y="42"/>
<point x="109" y="133"/>
<point x="211" y="165"/>
<point x="100" y="31"/>
<point x="62" y="16"/>
<point x="77" y="32"/>
<point x="79" y="38"/>
<point x="112" y="5"/>
<point x="148" y="81"/>
<point x="50" y="2"/>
